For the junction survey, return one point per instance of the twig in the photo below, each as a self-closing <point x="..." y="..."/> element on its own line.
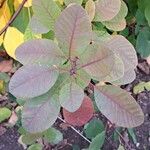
<point x="75" y="130"/>
<point x="13" y="17"/>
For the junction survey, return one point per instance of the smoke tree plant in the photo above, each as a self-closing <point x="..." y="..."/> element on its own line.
<point x="56" y="72"/>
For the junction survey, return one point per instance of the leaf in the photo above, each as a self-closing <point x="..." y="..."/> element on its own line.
<point x="5" y="77"/>
<point x="1" y="39"/>
<point x="93" y="128"/>
<point x="11" y="45"/>
<point x="107" y="9"/>
<point x="35" y="147"/>
<point x="121" y="147"/>
<point x="118" y="106"/>
<point x="118" y="70"/>
<point x="46" y="12"/>
<point x="13" y="119"/>
<point x="97" y="142"/>
<point x="53" y="136"/>
<point x="142" y="86"/>
<point x="39" y="51"/>
<point x="67" y="2"/>
<point x="132" y="134"/>
<point x="27" y="4"/>
<point x="36" y="26"/>
<point x="128" y="77"/>
<point x="6" y="65"/>
<point x="97" y="60"/>
<point x="147" y="13"/>
<point x="71" y="97"/>
<point x="31" y="81"/>
<point x="40" y="113"/>
<point x="82" y="115"/>
<point x="125" y="49"/>
<point x="73" y="29"/>
<point x="143" y="43"/>
<point x="5" y="113"/>
<point x="90" y="8"/>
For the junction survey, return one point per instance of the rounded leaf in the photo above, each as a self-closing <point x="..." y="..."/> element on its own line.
<point x="71" y="97"/>
<point x="39" y="51"/>
<point x="82" y="115"/>
<point x="40" y="113"/>
<point x="107" y="9"/>
<point x="118" y="106"/>
<point x="31" y="81"/>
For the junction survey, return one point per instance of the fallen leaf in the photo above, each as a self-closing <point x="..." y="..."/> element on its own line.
<point x="6" y="65"/>
<point x="13" y="119"/>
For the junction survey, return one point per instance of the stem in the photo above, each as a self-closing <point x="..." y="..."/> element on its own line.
<point x="75" y="130"/>
<point x="13" y="17"/>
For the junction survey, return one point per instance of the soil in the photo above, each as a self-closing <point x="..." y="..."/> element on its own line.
<point x="9" y="139"/>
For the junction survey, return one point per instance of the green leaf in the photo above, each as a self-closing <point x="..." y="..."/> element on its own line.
<point x="77" y="33"/>
<point x="35" y="147"/>
<point x="4" y="76"/>
<point x="39" y="51"/>
<point x="28" y="35"/>
<point x="40" y="113"/>
<point x="5" y="113"/>
<point x="143" y="43"/>
<point x="93" y="128"/>
<point x="22" y="20"/>
<point x="121" y="147"/>
<point x="97" y="142"/>
<point x="29" y="138"/>
<point x="142" y="86"/>
<point x="71" y="97"/>
<point x="46" y="12"/>
<point x="67" y="2"/>
<point x="32" y="80"/>
<point x="53" y="136"/>
<point x="118" y="106"/>
<point x="132" y="134"/>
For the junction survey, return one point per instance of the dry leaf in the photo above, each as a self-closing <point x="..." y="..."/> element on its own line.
<point x="6" y="66"/>
<point x="13" y="119"/>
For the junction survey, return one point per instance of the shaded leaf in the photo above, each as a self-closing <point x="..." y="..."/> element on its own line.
<point x="147" y="13"/>
<point x="5" y="113"/>
<point x="93" y="128"/>
<point x="39" y="51"/>
<point x="132" y="134"/>
<point x="31" y="81"/>
<point x="90" y="8"/>
<point x="53" y="136"/>
<point x="118" y="106"/>
<point x="82" y="115"/>
<point x="73" y="29"/>
<point x="46" y="12"/>
<point x="40" y="113"/>
<point x="6" y="65"/>
<point x="71" y="97"/>
<point x="97" y="142"/>
<point x="107" y="9"/>
<point x="67" y="2"/>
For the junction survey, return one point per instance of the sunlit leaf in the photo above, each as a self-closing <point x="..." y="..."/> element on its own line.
<point x="31" y="81"/>
<point x="147" y="13"/>
<point x="118" y="106"/>
<point x="125" y="49"/>
<point x="71" y="97"/>
<point x="35" y="147"/>
<point x="82" y="115"/>
<point x="90" y="8"/>
<point x="27" y="4"/>
<point x="128" y="77"/>
<point x="107" y="9"/>
<point x="73" y="29"/>
<point x="46" y="12"/>
<point x="67" y="2"/>
<point x="5" y="113"/>
<point x="11" y="45"/>
<point x="40" y="113"/>
<point x="39" y="51"/>
<point x="97" y="60"/>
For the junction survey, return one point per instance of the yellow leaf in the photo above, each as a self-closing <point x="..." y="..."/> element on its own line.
<point x="4" y="15"/>
<point x="13" y="38"/>
<point x="27" y="4"/>
<point x="1" y="39"/>
<point x="90" y="8"/>
<point x="60" y="1"/>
